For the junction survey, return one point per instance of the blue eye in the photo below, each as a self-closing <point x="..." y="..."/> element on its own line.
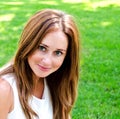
<point x="58" y="53"/>
<point x="42" y="48"/>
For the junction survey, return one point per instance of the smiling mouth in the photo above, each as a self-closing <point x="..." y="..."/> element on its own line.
<point x="43" y="68"/>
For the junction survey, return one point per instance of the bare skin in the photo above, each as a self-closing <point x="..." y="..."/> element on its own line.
<point x="38" y="87"/>
<point x="6" y="99"/>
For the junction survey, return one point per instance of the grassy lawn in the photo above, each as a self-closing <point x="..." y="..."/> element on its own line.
<point x="99" y="24"/>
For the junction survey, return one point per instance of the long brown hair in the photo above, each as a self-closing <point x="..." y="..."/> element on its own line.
<point x="63" y="82"/>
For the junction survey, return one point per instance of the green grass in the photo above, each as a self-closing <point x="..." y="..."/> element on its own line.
<point x="99" y="24"/>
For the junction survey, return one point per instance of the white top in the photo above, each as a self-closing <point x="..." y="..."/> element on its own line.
<point x="43" y="107"/>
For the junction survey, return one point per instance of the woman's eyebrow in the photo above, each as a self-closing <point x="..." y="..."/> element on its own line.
<point x="63" y="50"/>
<point x="44" y="44"/>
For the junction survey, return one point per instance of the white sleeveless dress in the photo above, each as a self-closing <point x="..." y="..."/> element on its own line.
<point x="43" y="107"/>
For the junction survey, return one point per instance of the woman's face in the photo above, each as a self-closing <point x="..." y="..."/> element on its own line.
<point x="50" y="54"/>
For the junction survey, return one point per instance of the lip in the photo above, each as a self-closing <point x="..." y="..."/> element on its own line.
<point x="43" y="68"/>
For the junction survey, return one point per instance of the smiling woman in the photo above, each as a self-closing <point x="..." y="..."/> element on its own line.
<point x="41" y="81"/>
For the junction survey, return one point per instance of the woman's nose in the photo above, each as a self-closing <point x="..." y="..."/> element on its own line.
<point x="47" y="59"/>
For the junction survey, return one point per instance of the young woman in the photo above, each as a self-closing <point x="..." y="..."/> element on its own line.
<point x="41" y="81"/>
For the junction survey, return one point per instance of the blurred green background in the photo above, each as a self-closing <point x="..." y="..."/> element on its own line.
<point x="99" y="25"/>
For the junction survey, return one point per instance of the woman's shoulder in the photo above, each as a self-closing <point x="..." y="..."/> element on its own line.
<point x="4" y="87"/>
<point x="6" y="93"/>
<point x="10" y="78"/>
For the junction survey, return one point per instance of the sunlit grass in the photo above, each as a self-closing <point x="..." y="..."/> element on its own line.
<point x="48" y="2"/>
<point x="105" y="24"/>
<point x="105" y="3"/>
<point x="73" y="1"/>
<point x="12" y="3"/>
<point x="7" y="17"/>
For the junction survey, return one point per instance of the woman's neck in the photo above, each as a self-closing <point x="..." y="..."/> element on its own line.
<point x="38" y="87"/>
